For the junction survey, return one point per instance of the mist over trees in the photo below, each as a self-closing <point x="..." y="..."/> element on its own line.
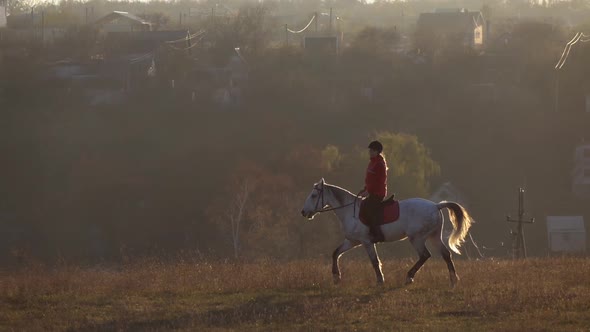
<point x="168" y="170"/>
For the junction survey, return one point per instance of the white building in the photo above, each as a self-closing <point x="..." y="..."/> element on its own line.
<point x="566" y="234"/>
<point x="581" y="173"/>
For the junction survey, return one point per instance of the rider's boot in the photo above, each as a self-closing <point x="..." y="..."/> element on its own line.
<point x="376" y="234"/>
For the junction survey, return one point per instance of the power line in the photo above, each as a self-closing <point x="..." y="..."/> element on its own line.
<point x="307" y="26"/>
<point x="185" y="38"/>
<point x="142" y="57"/>
<point x="578" y="37"/>
<point x="565" y="51"/>
<point x="186" y="48"/>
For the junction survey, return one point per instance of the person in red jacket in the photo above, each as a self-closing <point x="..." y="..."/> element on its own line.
<point x="375" y="190"/>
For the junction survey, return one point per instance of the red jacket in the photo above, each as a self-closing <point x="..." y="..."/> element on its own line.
<point x="376" y="178"/>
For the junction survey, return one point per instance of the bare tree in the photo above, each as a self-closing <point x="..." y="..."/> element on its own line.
<point x="235" y="212"/>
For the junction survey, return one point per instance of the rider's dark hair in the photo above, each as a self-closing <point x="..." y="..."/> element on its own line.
<point x="377" y="146"/>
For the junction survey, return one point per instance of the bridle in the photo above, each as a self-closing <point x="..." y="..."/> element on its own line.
<point x="321" y="198"/>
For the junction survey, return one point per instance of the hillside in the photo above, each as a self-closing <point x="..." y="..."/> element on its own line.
<point x="190" y="294"/>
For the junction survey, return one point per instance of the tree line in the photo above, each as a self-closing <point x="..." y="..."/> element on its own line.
<point x="159" y="176"/>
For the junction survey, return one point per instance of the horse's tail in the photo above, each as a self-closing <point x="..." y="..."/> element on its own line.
<point x="461" y="221"/>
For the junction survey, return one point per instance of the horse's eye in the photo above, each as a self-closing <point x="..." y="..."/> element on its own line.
<point x="313" y="195"/>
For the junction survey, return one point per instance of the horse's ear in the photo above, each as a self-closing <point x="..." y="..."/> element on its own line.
<point x="322" y="181"/>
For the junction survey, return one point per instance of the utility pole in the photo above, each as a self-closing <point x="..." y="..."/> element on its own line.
<point x="330" y="20"/>
<point x="189" y="44"/>
<point x="316" y="21"/>
<point x="33" y="23"/>
<point x="286" y="35"/>
<point x="518" y="244"/>
<point x="557" y="90"/>
<point x="42" y="27"/>
<point x="403" y="21"/>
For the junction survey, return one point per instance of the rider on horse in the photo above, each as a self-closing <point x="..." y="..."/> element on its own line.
<point x="375" y="190"/>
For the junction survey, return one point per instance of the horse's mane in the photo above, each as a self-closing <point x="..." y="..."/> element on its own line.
<point x="340" y="188"/>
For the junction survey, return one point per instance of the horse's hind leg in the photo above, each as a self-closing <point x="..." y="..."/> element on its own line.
<point x="424" y="255"/>
<point x="372" y="252"/>
<point x="438" y="244"/>
<point x="344" y="247"/>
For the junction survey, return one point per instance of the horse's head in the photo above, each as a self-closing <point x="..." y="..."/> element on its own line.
<point x="315" y="201"/>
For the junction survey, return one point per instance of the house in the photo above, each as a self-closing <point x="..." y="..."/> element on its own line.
<point x="137" y="54"/>
<point x="219" y="85"/>
<point x="86" y="82"/>
<point x="28" y="28"/>
<point x="317" y="44"/>
<point x="581" y="173"/>
<point x="118" y="43"/>
<point x="566" y="234"/>
<point x="450" y="28"/>
<point x="101" y="81"/>
<point x="121" y="22"/>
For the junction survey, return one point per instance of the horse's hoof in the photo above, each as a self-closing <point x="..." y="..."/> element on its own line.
<point x="454" y="281"/>
<point x="409" y="281"/>
<point x="337" y="279"/>
<point x="380" y="282"/>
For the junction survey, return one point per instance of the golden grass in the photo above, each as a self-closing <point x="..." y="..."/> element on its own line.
<point x="537" y="294"/>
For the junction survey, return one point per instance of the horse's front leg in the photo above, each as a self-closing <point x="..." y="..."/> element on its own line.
<point x="344" y="247"/>
<point x="372" y="252"/>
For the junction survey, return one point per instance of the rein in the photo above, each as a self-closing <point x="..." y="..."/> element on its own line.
<point x="321" y="196"/>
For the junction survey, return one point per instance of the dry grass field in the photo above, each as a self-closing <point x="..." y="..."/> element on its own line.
<point x="551" y="294"/>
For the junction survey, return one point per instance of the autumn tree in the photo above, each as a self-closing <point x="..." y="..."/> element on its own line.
<point x="230" y="213"/>
<point x="410" y="165"/>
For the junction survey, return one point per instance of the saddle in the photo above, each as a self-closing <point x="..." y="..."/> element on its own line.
<point x="389" y="210"/>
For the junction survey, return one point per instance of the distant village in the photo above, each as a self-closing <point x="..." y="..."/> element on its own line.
<point x="118" y="53"/>
<point x="104" y="58"/>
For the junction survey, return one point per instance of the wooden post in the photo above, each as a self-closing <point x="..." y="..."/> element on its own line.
<point x="519" y="247"/>
<point x="330" y="26"/>
<point x="315" y="16"/>
<point x="557" y="90"/>
<point x="188" y="45"/>
<point x="33" y="23"/>
<point x="42" y="27"/>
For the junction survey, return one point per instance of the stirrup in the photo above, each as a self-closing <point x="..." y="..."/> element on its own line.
<point x="376" y="238"/>
<point x="390" y="199"/>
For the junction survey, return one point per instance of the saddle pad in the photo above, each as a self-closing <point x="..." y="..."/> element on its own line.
<point x="390" y="213"/>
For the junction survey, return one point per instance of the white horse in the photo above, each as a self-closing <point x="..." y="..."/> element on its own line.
<point x="419" y="220"/>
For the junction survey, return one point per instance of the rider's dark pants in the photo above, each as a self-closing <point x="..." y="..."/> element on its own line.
<point x="373" y="214"/>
